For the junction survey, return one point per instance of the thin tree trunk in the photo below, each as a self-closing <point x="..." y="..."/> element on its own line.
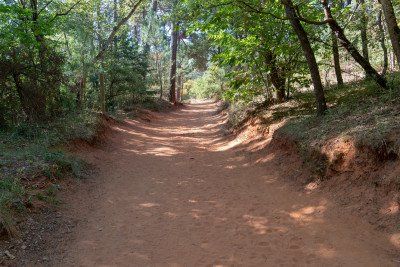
<point x="392" y="26"/>
<point x="81" y="91"/>
<point x="81" y="85"/>
<point x="336" y="59"/>
<point x="3" y="122"/>
<point x="339" y="32"/>
<point x="115" y="19"/>
<point x="102" y="92"/>
<point x="309" y="55"/>
<point x="393" y="60"/>
<point x="179" y="88"/>
<point x="288" y="82"/>
<point x="154" y="5"/>
<point x="174" y="51"/>
<point x="363" y="30"/>
<point x="160" y="75"/>
<point x="383" y="44"/>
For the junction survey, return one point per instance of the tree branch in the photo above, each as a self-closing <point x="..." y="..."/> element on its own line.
<point x="252" y="8"/>
<point x="115" y="30"/>
<point x="66" y="12"/>
<point x="46" y="5"/>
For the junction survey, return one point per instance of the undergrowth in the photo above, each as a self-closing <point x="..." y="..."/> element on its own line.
<point x="360" y="111"/>
<point x="32" y="152"/>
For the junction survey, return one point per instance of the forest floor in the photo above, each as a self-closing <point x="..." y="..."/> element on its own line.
<point x="176" y="190"/>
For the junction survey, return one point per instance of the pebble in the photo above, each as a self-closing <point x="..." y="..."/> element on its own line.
<point x="9" y="255"/>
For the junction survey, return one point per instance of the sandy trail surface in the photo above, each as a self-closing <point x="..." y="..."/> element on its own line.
<point x="177" y="191"/>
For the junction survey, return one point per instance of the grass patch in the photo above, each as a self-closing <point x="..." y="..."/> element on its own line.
<point x="32" y="151"/>
<point x="11" y="194"/>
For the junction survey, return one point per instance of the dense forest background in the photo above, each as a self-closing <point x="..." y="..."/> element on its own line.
<point x="63" y="57"/>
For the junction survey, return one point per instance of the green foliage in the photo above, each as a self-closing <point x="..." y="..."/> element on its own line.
<point x="252" y="46"/>
<point x="360" y="112"/>
<point x="31" y="67"/>
<point x="127" y="68"/>
<point x="29" y="152"/>
<point x="11" y="193"/>
<point x="210" y="85"/>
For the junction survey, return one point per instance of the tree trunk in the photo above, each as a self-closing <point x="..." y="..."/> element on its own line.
<point x="339" y="32"/>
<point x="160" y="75"/>
<point x="392" y="61"/>
<point x="288" y="82"/>
<point x="278" y="81"/>
<point x="81" y="85"/>
<point x="3" y="123"/>
<point x="174" y="51"/>
<point x="363" y="30"/>
<point x="179" y="88"/>
<point x="392" y="26"/>
<point x="336" y="60"/>
<point x="154" y="5"/>
<point x="33" y="102"/>
<point x="309" y="55"/>
<point x="102" y="92"/>
<point x="383" y="44"/>
<point x="276" y="76"/>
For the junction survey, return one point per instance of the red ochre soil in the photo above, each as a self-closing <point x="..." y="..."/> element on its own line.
<point x="178" y="191"/>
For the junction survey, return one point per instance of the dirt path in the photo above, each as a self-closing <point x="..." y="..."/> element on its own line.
<point x="172" y="193"/>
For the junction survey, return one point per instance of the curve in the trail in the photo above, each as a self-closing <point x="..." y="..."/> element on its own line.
<point x="175" y="192"/>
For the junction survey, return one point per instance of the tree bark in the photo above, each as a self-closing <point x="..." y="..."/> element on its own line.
<point x="392" y="26"/>
<point x="3" y="122"/>
<point x="179" y="88"/>
<point x="309" y="55"/>
<point x="174" y="52"/>
<point x="339" y="32"/>
<point x="383" y="44"/>
<point x="160" y="75"/>
<point x="154" y="5"/>
<point x="276" y="76"/>
<point x="33" y="102"/>
<point x="336" y="60"/>
<point x="102" y="92"/>
<point x="81" y="85"/>
<point x="363" y="30"/>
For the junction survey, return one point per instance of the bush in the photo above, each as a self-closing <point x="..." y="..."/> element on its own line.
<point x="30" y="151"/>
<point x="209" y="85"/>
